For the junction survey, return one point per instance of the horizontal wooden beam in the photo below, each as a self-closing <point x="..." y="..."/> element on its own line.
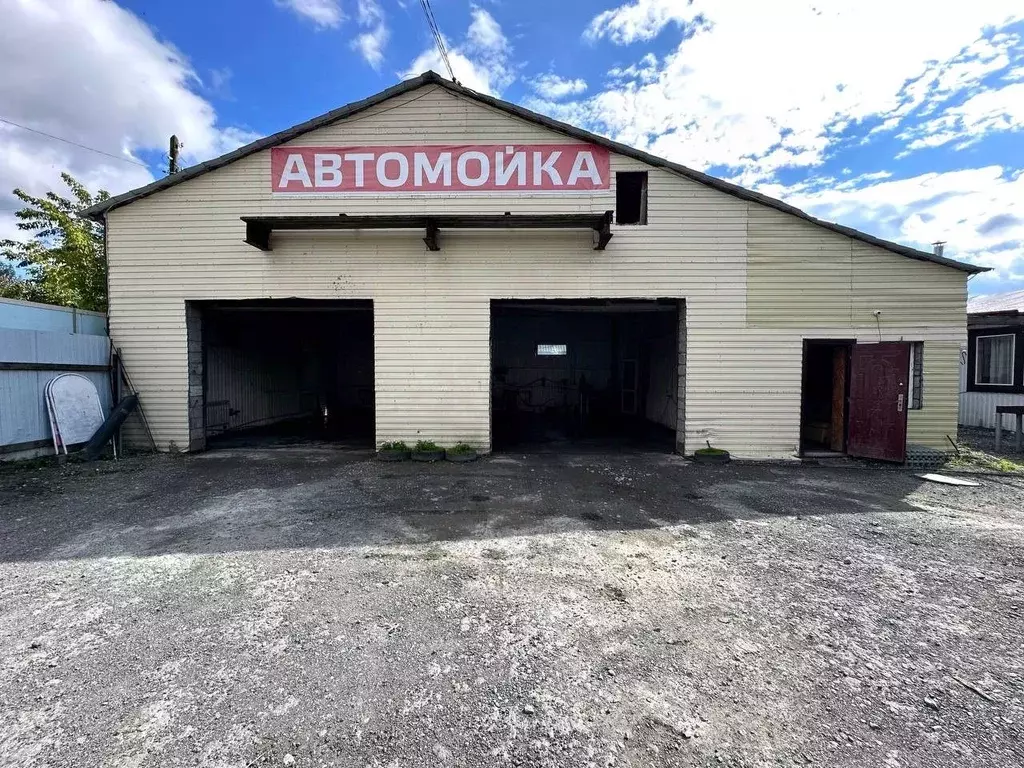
<point x="58" y="367"/>
<point x="258" y="229"/>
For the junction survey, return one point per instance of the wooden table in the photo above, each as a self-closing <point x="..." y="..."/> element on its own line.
<point x="1016" y="410"/>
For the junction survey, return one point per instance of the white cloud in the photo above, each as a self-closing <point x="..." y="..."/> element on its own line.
<point x="481" y="62"/>
<point x="484" y="32"/>
<point x="644" y="71"/>
<point x="760" y="86"/>
<point x="979" y="212"/>
<point x="370" y="43"/>
<point x="323" y="13"/>
<point x="640" y="20"/>
<point x="328" y="14"/>
<point x="990" y="111"/>
<point x="551" y="86"/>
<point x="219" y="83"/>
<point x="102" y="80"/>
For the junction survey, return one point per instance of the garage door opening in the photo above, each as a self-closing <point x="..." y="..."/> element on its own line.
<point x="601" y="373"/>
<point x="287" y="370"/>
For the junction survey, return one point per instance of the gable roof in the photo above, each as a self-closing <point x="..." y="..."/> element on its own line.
<point x="999" y="303"/>
<point x="432" y="78"/>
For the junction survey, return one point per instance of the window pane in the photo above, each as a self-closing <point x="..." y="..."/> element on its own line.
<point x="994" y="364"/>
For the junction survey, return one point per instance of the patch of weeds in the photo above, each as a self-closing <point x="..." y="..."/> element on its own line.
<point x="971" y="458"/>
<point x="394" y="445"/>
<point x="427" y="446"/>
<point x="709" y="451"/>
<point x="461" y="449"/>
<point x="1005" y="465"/>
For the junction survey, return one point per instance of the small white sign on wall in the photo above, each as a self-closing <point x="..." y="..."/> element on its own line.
<point x="552" y="350"/>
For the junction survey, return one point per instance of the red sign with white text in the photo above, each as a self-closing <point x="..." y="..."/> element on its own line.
<point x="466" y="168"/>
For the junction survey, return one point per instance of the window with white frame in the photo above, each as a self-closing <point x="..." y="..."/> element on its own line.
<point x="994" y="360"/>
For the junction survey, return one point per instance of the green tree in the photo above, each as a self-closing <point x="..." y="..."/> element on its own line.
<point x="12" y="286"/>
<point x="64" y="259"/>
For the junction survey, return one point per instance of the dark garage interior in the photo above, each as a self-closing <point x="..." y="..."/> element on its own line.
<point x="288" y="370"/>
<point x="576" y="372"/>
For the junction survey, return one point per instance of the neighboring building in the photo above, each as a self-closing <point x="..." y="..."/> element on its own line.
<point x="992" y="362"/>
<point x="433" y="263"/>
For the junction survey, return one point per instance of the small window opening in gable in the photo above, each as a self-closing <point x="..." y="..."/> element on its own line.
<point x="631" y="197"/>
<point x="916" y="375"/>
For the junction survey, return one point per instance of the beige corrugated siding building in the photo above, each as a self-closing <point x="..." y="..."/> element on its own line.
<point x="715" y="315"/>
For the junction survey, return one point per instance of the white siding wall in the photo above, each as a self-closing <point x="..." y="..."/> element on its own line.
<point x="978" y="409"/>
<point x="806" y="282"/>
<point x="432" y="310"/>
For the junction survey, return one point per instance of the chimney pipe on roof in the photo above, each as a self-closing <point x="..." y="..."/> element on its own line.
<point x="938" y="247"/>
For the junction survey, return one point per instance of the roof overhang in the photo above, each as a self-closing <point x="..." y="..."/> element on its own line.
<point x="1009" y="314"/>
<point x="258" y="229"/>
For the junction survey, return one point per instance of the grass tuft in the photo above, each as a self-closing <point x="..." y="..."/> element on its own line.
<point x="971" y="458"/>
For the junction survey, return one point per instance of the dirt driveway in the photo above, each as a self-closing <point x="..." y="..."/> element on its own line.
<point x="312" y="607"/>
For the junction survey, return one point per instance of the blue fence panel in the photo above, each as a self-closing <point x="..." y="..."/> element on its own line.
<point x="49" y="343"/>
<point x="30" y="316"/>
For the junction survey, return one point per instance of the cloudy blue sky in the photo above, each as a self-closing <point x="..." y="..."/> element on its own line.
<point x="904" y="118"/>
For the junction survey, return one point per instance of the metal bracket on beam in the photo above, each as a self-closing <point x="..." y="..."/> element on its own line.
<point x="604" y="231"/>
<point x="431" y="239"/>
<point x="257" y="235"/>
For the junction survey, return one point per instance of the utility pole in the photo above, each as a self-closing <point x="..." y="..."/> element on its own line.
<point x="172" y="164"/>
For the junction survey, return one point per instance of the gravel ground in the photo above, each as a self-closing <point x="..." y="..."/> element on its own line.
<point x="312" y="607"/>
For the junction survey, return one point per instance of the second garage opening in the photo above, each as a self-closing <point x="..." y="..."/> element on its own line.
<point x="601" y="373"/>
<point x="287" y="370"/>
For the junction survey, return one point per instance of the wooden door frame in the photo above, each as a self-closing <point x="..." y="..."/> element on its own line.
<point x="846" y="344"/>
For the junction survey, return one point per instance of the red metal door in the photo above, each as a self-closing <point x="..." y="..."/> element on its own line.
<point x="879" y="376"/>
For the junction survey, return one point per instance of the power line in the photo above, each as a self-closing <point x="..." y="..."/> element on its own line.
<point x="435" y="31"/>
<point x="73" y="143"/>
